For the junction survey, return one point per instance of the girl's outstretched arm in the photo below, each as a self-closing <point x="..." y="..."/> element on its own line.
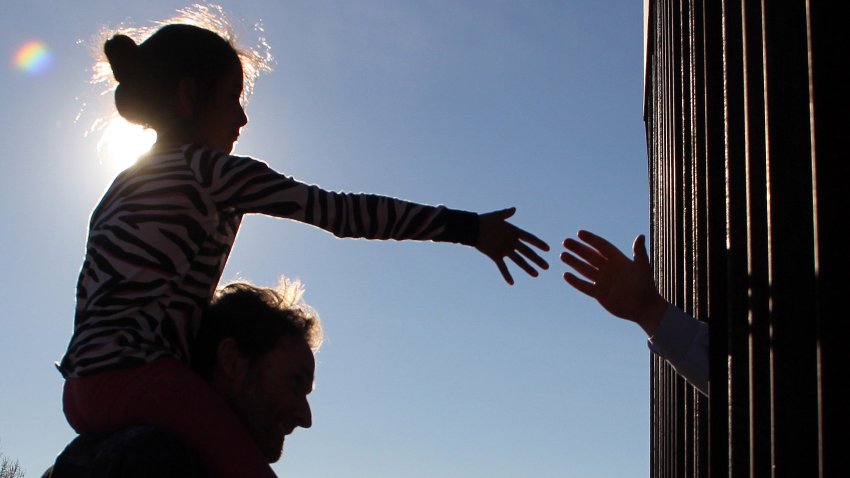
<point x="497" y="239"/>
<point x="245" y="185"/>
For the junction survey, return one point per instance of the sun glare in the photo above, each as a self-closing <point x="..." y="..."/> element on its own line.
<point x="122" y="143"/>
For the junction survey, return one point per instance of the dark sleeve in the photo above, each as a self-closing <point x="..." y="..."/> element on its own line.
<point x="136" y="452"/>
<point x="250" y="186"/>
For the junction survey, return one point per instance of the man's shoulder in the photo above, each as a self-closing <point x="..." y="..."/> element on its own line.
<point x="135" y="452"/>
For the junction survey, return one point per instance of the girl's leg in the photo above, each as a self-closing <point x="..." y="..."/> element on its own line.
<point x="167" y="394"/>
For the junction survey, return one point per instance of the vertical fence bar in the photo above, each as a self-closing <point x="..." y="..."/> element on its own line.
<point x="715" y="290"/>
<point x="791" y="247"/>
<point x="827" y="35"/>
<point x="699" y="217"/>
<point x="757" y="237"/>
<point x="738" y="373"/>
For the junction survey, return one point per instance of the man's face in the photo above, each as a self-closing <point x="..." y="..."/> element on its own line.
<point x="273" y="400"/>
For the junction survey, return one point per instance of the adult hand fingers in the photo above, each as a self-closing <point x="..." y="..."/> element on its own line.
<point x="580" y="266"/>
<point x="606" y="248"/>
<point x="580" y="285"/>
<point x="584" y="251"/>
<point x="639" y="249"/>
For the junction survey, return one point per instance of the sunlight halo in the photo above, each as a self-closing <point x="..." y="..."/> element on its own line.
<point x="121" y="143"/>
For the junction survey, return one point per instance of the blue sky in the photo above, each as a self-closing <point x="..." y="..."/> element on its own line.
<point x="433" y="366"/>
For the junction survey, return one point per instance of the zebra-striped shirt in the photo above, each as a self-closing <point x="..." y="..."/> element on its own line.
<point x="159" y="239"/>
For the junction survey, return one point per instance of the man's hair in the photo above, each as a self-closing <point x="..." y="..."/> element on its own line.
<point x="257" y="318"/>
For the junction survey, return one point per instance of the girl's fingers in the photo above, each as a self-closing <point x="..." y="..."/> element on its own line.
<point x="533" y="256"/>
<point x="504" y="270"/>
<point x="518" y="260"/>
<point x="533" y="240"/>
<point x="505" y="213"/>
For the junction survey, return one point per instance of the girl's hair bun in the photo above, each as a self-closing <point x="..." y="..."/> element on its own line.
<point x="123" y="55"/>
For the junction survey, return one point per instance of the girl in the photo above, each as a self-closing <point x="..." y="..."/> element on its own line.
<point x="159" y="239"/>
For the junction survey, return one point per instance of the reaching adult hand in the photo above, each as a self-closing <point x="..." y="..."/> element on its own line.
<point x="497" y="239"/>
<point x="622" y="286"/>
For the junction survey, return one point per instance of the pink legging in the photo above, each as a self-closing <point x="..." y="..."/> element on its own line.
<point x="165" y="393"/>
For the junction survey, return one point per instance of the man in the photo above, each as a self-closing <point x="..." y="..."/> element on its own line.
<point x="255" y="347"/>
<point x="625" y="288"/>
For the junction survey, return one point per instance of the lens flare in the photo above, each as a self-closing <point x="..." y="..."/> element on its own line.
<point x="33" y="57"/>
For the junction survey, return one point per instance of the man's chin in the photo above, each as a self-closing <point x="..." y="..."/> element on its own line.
<point x="274" y="451"/>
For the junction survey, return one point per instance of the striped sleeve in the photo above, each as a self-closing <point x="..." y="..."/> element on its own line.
<point x="250" y="186"/>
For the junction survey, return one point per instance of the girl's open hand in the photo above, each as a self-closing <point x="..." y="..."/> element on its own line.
<point x="497" y="239"/>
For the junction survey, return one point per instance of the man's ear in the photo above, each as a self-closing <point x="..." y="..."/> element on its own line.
<point x="187" y="96"/>
<point x="231" y="364"/>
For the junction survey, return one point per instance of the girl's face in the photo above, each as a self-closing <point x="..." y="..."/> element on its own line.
<point x="222" y="117"/>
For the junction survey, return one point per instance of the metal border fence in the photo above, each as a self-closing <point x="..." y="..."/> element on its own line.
<point x="746" y="120"/>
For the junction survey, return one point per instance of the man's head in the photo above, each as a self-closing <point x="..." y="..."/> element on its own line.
<point x="256" y="348"/>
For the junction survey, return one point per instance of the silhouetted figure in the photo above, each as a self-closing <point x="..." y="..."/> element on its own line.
<point x="160" y="237"/>
<point x="625" y="288"/>
<point x="255" y="350"/>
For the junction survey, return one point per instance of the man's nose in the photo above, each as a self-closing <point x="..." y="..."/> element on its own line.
<point x="304" y="415"/>
<point x="243" y="120"/>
